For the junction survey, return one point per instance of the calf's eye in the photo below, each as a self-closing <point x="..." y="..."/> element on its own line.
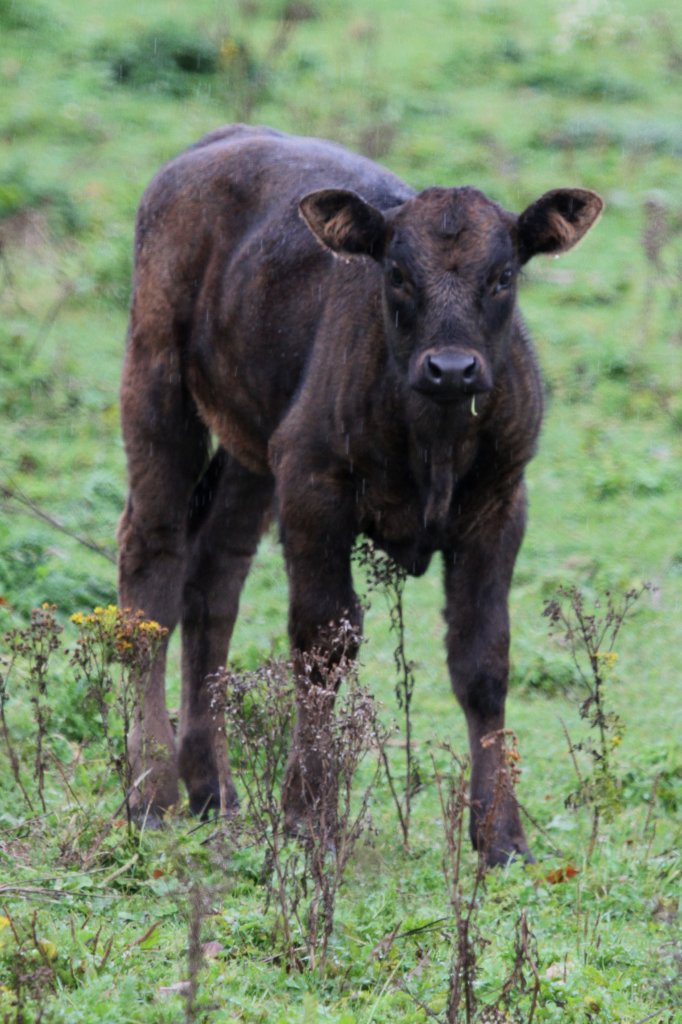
<point x="504" y="281"/>
<point x="396" y="278"/>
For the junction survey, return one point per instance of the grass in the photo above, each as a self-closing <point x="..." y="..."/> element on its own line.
<point x="515" y="99"/>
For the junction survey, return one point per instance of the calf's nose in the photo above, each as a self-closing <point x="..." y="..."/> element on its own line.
<point x="449" y="373"/>
<point x="452" y="370"/>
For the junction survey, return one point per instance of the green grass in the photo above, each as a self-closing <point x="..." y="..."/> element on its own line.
<point x="516" y="99"/>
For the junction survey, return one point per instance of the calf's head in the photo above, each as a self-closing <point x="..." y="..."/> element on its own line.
<point x="450" y="260"/>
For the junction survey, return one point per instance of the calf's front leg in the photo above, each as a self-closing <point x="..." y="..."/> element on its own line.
<point x="478" y="575"/>
<point x="324" y="628"/>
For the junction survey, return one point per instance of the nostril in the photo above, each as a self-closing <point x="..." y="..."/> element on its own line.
<point x="470" y="372"/>
<point x="435" y="371"/>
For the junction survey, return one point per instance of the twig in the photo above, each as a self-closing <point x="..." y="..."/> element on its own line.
<point x="431" y="1014"/>
<point x="13" y="493"/>
<point x="431" y="926"/>
<point x="381" y="994"/>
<point x="143" y="938"/>
<point x="60" y="768"/>
<point x="404" y="826"/>
<point x="10" y="889"/>
<point x="571" y="750"/>
<point x="536" y="824"/>
<point x="122" y="870"/>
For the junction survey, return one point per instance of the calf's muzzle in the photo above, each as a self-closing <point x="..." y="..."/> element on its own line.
<point x="446" y="374"/>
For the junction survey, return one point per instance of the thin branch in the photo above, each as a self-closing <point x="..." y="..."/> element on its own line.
<point x="9" y="889"/>
<point x="536" y="824"/>
<point x="571" y="750"/>
<point x="14" y="494"/>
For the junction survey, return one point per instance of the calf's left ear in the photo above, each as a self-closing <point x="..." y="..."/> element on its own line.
<point x="556" y="221"/>
<point x="344" y="222"/>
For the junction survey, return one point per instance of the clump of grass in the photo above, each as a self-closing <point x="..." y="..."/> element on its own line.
<point x="22" y="192"/>
<point x="164" y="59"/>
<point x="28" y="14"/>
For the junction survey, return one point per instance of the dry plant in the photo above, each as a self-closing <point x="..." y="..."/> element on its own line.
<point x="660" y="236"/>
<point x="32" y="975"/>
<point x="302" y="878"/>
<point x="196" y="895"/>
<point x="340" y="736"/>
<point x="590" y="635"/>
<point x="469" y="942"/>
<point x="34" y="646"/>
<point x="385" y="574"/>
<point x="453" y="788"/>
<point x="259" y="708"/>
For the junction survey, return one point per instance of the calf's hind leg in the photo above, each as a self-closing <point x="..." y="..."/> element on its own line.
<point x="229" y="513"/>
<point x="166" y="446"/>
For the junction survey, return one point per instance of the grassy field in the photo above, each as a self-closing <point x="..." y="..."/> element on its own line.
<point x="101" y="924"/>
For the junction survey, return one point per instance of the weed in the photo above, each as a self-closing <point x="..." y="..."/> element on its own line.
<point x="518" y="994"/>
<point x="35" y="646"/>
<point x="452" y="795"/>
<point x="334" y="737"/>
<point x="384" y="573"/>
<point x="590" y="637"/>
<point x="340" y="735"/>
<point x="108" y="637"/>
<point x="259" y="708"/>
<point x="15" y="764"/>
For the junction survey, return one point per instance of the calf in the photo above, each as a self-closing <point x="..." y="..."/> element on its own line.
<point x="356" y="350"/>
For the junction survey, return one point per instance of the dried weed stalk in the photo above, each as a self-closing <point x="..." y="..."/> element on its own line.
<point x="385" y="574"/>
<point x="34" y="646"/>
<point x="303" y="878"/>
<point x="260" y="708"/>
<point x="469" y="942"/>
<point x="590" y="635"/>
<point x="341" y="735"/>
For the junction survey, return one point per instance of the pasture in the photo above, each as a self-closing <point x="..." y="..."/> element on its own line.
<point x="101" y="922"/>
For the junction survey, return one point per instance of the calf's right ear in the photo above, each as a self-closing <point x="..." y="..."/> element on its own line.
<point x="557" y="221"/>
<point x="344" y="222"/>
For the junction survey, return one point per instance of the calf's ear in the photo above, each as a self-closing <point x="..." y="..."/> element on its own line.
<point x="556" y="221"/>
<point x="344" y="222"/>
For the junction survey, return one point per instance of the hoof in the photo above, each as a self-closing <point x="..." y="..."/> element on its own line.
<point x="502" y="853"/>
<point x="204" y="801"/>
<point x="149" y="817"/>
